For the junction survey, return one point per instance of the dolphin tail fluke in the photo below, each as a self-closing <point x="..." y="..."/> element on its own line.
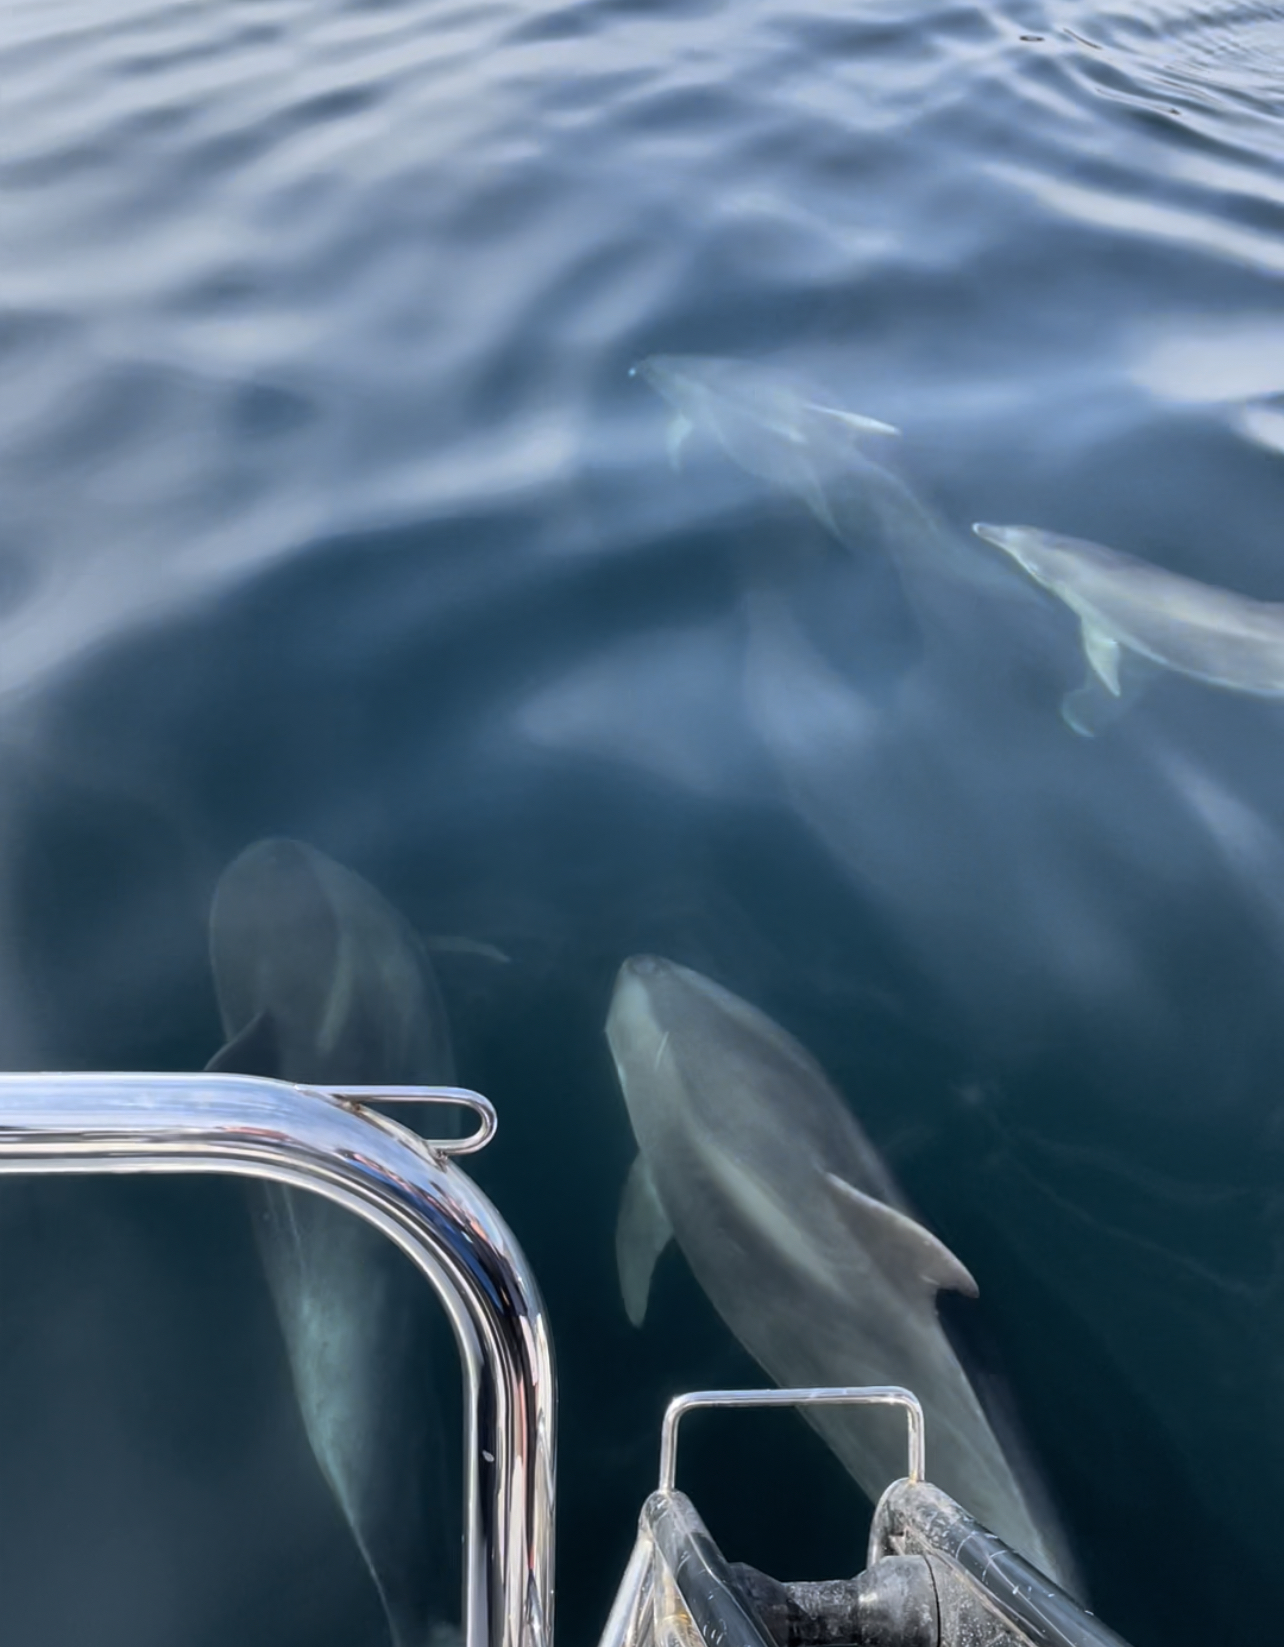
<point x="641" y="1235"/>
<point x="252" y="1051"/>
<point x="900" y="1242"/>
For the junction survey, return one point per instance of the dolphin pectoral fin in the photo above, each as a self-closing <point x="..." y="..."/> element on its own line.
<point x="1103" y="655"/>
<point x="467" y="946"/>
<point x="641" y="1235"/>
<point x="1092" y="707"/>
<point x="900" y="1243"/>
<point x="255" y="1050"/>
<point x="675" y="438"/>
<point x="857" y="423"/>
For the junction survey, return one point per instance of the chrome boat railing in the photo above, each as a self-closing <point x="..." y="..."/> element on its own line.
<point x="324" y="1142"/>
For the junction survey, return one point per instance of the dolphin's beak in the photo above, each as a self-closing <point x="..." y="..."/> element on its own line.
<point x="1021" y="543"/>
<point x="1002" y="537"/>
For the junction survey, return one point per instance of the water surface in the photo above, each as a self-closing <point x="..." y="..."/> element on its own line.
<point x="327" y="509"/>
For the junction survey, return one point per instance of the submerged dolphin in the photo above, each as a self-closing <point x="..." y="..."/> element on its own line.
<point x="797" y="1233"/>
<point x="321" y="981"/>
<point x="752" y="410"/>
<point x="767" y="422"/>
<point x="778" y="429"/>
<point x="1125" y="605"/>
<point x="317" y="973"/>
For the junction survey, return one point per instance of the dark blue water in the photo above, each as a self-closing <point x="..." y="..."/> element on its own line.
<point x="327" y="509"/>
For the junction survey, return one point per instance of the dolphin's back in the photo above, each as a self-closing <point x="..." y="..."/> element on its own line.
<point x="1198" y="629"/>
<point x="750" y="1087"/>
<point x="303" y="940"/>
<point x="1195" y="628"/>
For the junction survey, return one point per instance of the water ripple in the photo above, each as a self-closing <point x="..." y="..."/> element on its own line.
<point x="322" y="480"/>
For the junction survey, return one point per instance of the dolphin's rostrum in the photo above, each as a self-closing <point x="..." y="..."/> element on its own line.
<point x="798" y="1234"/>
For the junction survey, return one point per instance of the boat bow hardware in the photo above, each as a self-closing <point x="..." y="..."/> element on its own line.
<point x="869" y="1395"/>
<point x="935" y="1577"/>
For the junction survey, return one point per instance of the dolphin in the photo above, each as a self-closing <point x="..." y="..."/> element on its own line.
<point x="1126" y="606"/>
<point x="798" y="1235"/>
<point x="777" y="428"/>
<point x="321" y="981"/>
<point x="318" y="974"/>
<point x="766" y="421"/>
<point x="755" y="412"/>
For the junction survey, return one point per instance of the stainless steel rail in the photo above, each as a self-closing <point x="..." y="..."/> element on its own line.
<point x="866" y="1395"/>
<point x="312" y="1140"/>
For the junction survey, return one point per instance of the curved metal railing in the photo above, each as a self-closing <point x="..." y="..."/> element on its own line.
<point x="310" y="1139"/>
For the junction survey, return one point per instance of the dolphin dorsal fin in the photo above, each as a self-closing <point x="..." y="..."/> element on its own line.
<point x="253" y="1050"/>
<point x="904" y="1245"/>
<point x="855" y="421"/>
<point x="641" y="1235"/>
<point x="1102" y="651"/>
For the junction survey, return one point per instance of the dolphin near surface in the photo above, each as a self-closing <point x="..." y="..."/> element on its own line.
<point x="766" y="421"/>
<point x="780" y="430"/>
<point x="798" y="1235"/>
<point x="317" y="973"/>
<point x="321" y="981"/>
<point x="1127" y="607"/>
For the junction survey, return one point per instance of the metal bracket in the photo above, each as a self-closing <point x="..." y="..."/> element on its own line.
<point x="459" y="1097"/>
<point x="873" y="1395"/>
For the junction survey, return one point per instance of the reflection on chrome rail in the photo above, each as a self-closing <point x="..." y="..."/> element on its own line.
<point x="308" y="1139"/>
